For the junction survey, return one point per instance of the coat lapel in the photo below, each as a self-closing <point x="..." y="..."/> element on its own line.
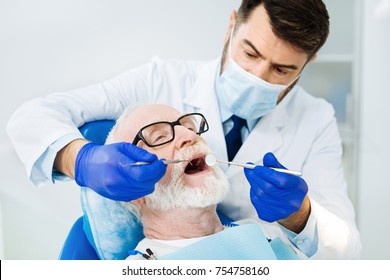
<point x="202" y="98"/>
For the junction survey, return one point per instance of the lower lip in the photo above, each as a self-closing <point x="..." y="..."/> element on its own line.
<point x="195" y="179"/>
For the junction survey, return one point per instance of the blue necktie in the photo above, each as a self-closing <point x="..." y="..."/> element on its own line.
<point x="233" y="138"/>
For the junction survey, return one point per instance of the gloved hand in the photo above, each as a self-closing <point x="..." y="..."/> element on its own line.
<point x="275" y="195"/>
<point x="103" y="169"/>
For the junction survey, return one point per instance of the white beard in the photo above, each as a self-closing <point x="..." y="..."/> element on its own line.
<point x="177" y="195"/>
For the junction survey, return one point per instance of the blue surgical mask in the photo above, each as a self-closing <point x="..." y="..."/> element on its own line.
<point x="246" y="95"/>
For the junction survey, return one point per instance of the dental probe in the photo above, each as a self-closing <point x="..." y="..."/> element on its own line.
<point x="211" y="160"/>
<point x="165" y="161"/>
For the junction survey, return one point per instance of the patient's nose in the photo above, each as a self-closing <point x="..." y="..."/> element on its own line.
<point x="184" y="137"/>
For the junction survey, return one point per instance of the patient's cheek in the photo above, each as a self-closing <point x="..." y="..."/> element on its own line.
<point x="166" y="179"/>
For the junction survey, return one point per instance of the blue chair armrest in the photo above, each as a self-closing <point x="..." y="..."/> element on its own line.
<point x="77" y="246"/>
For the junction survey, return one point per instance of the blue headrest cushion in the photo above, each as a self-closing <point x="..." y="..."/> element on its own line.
<point x="97" y="131"/>
<point x="111" y="228"/>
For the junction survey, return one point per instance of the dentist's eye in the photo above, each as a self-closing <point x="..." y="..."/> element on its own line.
<point x="250" y="55"/>
<point x="280" y="71"/>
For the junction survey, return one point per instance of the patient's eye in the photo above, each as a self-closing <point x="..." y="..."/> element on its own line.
<point x="191" y="127"/>
<point x="158" y="137"/>
<point x="158" y="133"/>
<point x="189" y="122"/>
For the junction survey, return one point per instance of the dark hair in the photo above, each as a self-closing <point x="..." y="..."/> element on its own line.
<point x="302" y="23"/>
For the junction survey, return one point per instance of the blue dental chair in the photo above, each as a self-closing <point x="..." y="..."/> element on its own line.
<point x="77" y="246"/>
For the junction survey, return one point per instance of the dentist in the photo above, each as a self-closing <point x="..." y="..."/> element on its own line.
<point x="256" y="112"/>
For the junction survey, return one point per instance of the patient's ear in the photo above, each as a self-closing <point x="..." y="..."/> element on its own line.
<point x="139" y="201"/>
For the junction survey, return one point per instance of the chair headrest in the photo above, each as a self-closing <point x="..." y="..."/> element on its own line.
<point x="97" y="131"/>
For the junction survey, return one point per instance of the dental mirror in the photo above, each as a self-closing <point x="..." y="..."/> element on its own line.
<point x="211" y="160"/>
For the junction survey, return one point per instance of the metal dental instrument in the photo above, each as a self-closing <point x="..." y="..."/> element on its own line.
<point x="211" y="160"/>
<point x="165" y="161"/>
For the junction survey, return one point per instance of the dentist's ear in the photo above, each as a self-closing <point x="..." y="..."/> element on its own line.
<point x="313" y="58"/>
<point x="232" y="22"/>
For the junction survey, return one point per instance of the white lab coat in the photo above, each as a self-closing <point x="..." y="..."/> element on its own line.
<point x="301" y="131"/>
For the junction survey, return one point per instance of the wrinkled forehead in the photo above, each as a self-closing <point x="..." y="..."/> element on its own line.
<point x="148" y="114"/>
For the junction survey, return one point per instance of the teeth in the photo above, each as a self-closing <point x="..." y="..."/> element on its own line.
<point x="196" y="164"/>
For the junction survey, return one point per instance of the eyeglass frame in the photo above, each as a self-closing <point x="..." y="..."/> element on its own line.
<point x="139" y="135"/>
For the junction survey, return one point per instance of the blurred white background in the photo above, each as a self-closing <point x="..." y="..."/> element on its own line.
<point x="54" y="45"/>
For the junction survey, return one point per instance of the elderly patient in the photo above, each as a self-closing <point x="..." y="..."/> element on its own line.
<point x="179" y="218"/>
<point x="182" y="209"/>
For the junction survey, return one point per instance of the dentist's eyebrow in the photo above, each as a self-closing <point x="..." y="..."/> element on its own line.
<point x="288" y="66"/>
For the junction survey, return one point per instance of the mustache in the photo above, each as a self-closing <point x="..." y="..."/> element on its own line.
<point x="187" y="153"/>
<point x="175" y="193"/>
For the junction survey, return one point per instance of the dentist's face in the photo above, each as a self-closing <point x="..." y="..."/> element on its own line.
<point x="257" y="50"/>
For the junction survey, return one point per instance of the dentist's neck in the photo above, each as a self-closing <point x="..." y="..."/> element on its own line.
<point x="180" y="223"/>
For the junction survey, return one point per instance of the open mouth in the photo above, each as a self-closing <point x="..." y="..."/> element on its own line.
<point x="196" y="165"/>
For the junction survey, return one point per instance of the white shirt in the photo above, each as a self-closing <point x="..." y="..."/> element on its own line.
<point x="301" y="132"/>
<point x="162" y="247"/>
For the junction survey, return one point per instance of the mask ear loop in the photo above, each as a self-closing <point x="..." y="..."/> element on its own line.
<point x="294" y="80"/>
<point x="291" y="84"/>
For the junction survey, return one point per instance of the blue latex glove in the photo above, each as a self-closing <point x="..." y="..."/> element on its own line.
<point x="103" y="169"/>
<point x="275" y="195"/>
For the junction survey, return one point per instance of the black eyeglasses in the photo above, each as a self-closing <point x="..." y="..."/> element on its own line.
<point x="160" y="133"/>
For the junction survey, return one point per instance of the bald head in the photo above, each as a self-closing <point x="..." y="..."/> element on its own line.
<point x="133" y="119"/>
